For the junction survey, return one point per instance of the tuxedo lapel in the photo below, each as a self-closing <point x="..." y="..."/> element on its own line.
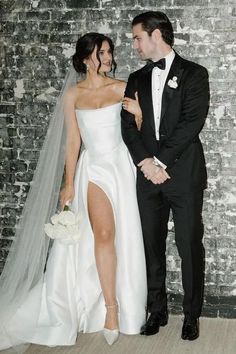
<point x="146" y="92"/>
<point x="175" y="71"/>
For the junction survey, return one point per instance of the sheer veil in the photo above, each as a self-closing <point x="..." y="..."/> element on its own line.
<point x="27" y="257"/>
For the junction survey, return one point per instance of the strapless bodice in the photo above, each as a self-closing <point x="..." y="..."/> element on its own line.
<point x="100" y="129"/>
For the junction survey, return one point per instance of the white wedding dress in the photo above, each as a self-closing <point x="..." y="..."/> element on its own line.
<point x="70" y="299"/>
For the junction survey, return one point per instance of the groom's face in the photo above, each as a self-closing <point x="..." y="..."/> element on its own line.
<point x="145" y="45"/>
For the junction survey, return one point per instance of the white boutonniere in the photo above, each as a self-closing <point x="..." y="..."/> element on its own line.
<point x="173" y="82"/>
<point x="64" y="227"/>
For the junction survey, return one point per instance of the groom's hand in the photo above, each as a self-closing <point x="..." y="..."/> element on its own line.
<point x="160" y="177"/>
<point x="156" y="175"/>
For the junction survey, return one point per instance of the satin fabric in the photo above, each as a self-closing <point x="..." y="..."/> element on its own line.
<point x="70" y="298"/>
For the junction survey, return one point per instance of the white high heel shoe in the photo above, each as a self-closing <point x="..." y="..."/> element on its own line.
<point x="111" y="335"/>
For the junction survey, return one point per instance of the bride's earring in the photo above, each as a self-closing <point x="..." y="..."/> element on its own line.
<point x="87" y="67"/>
<point x="111" y="335"/>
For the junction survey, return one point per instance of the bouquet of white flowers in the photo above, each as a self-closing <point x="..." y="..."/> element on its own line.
<point x="64" y="227"/>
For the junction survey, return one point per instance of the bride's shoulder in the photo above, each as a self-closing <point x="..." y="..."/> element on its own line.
<point x="118" y="82"/>
<point x="73" y="91"/>
<point x="119" y="85"/>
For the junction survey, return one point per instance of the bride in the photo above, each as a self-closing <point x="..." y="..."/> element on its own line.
<point x="100" y="282"/>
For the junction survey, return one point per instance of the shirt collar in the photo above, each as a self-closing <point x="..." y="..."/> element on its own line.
<point x="169" y="59"/>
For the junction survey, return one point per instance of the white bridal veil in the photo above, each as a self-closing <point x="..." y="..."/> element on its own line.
<point x="27" y="257"/>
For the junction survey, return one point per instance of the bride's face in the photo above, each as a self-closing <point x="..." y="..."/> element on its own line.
<point x="105" y="56"/>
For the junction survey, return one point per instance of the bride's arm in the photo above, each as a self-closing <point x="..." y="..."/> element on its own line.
<point x="132" y="106"/>
<point x="73" y="142"/>
<point x="129" y="104"/>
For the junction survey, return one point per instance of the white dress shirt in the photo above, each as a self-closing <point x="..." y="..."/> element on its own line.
<point x="158" y="82"/>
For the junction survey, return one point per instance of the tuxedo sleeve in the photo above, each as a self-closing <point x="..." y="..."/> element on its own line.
<point x="194" y="111"/>
<point x="130" y="133"/>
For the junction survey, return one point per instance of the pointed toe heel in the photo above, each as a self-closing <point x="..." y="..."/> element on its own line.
<point x="111" y="335"/>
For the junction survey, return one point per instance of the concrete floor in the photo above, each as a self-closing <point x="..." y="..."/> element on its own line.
<point x="217" y="336"/>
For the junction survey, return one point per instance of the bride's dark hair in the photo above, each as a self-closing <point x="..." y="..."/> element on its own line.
<point x="84" y="48"/>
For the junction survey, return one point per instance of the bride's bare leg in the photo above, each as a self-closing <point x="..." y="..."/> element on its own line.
<point x="103" y="225"/>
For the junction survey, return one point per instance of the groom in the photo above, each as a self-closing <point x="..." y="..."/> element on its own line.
<point x="173" y="94"/>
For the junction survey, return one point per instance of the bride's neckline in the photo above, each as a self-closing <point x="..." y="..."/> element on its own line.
<point x="99" y="108"/>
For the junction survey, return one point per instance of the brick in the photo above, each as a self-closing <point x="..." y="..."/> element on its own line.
<point x="34" y="16"/>
<point x="8" y="232"/>
<point x="7" y="109"/>
<point x="54" y="27"/>
<point x="82" y="4"/>
<point x="49" y="4"/>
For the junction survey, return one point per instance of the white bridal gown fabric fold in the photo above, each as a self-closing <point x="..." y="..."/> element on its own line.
<point x="70" y="298"/>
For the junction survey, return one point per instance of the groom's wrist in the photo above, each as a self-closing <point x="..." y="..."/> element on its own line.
<point x="158" y="163"/>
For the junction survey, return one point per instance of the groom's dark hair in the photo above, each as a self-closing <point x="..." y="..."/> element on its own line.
<point x="152" y="20"/>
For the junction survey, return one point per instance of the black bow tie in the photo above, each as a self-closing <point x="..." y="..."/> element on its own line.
<point x="161" y="64"/>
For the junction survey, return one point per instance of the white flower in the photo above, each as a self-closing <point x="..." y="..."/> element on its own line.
<point x="64" y="227"/>
<point x="48" y="228"/>
<point x="173" y="82"/>
<point x="64" y="218"/>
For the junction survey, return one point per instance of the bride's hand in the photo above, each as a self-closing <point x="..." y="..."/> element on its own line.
<point x="133" y="107"/>
<point x="66" y="195"/>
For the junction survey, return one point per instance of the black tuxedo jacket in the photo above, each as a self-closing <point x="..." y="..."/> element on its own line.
<point x="183" y="113"/>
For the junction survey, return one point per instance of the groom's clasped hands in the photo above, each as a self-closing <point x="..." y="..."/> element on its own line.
<point x="155" y="174"/>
